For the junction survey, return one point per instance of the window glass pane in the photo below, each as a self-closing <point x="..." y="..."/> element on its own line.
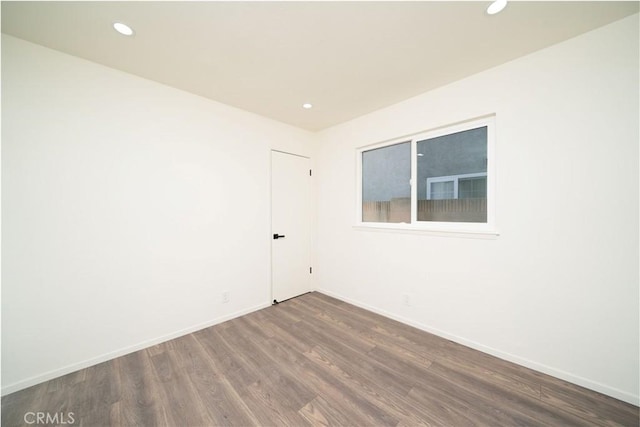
<point x="442" y="190"/>
<point x="472" y="188"/>
<point x="386" y="193"/>
<point x="452" y="177"/>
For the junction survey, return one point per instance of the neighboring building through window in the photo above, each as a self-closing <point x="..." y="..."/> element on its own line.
<point x="467" y="186"/>
<point x="450" y="169"/>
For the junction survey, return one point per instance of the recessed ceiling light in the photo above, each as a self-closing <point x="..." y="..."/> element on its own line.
<point x="307" y="106"/>
<point x="496" y="6"/>
<point x="123" y="28"/>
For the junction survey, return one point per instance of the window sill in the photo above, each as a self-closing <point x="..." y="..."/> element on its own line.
<point x="440" y="231"/>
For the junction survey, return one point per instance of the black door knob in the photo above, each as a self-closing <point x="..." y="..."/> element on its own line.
<point x="278" y="236"/>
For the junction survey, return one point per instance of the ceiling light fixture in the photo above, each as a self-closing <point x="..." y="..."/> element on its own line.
<point x="306" y="106"/>
<point x="496" y="6"/>
<point x="123" y="29"/>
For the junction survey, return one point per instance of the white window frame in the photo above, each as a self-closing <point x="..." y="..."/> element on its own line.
<point x="454" y="178"/>
<point x="436" y="227"/>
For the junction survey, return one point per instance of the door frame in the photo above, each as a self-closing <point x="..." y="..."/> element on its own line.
<point x="311" y="220"/>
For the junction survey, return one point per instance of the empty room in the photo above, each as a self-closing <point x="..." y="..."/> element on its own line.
<point x="320" y="213"/>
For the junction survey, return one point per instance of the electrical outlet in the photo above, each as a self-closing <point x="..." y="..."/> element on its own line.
<point x="225" y="297"/>
<point x="405" y="300"/>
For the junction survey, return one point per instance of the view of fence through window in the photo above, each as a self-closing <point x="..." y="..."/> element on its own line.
<point x="451" y="179"/>
<point x="386" y="192"/>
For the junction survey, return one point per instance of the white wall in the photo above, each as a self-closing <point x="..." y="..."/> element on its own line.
<point x="558" y="289"/>
<point x="128" y="208"/>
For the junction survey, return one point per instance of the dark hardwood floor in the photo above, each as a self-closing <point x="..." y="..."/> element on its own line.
<point x="312" y="360"/>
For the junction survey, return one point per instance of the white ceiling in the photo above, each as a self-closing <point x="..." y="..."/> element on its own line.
<point x="346" y="58"/>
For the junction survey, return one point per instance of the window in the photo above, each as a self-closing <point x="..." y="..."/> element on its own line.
<point x="386" y="192"/>
<point x="468" y="186"/>
<point x="451" y="169"/>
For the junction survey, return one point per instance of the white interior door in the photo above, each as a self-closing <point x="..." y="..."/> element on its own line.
<point x="290" y="225"/>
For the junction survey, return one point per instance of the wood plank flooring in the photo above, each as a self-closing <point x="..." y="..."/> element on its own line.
<point x="313" y="360"/>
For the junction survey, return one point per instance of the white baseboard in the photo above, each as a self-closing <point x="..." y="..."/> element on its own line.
<point x="37" y="379"/>
<point x="558" y="373"/>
